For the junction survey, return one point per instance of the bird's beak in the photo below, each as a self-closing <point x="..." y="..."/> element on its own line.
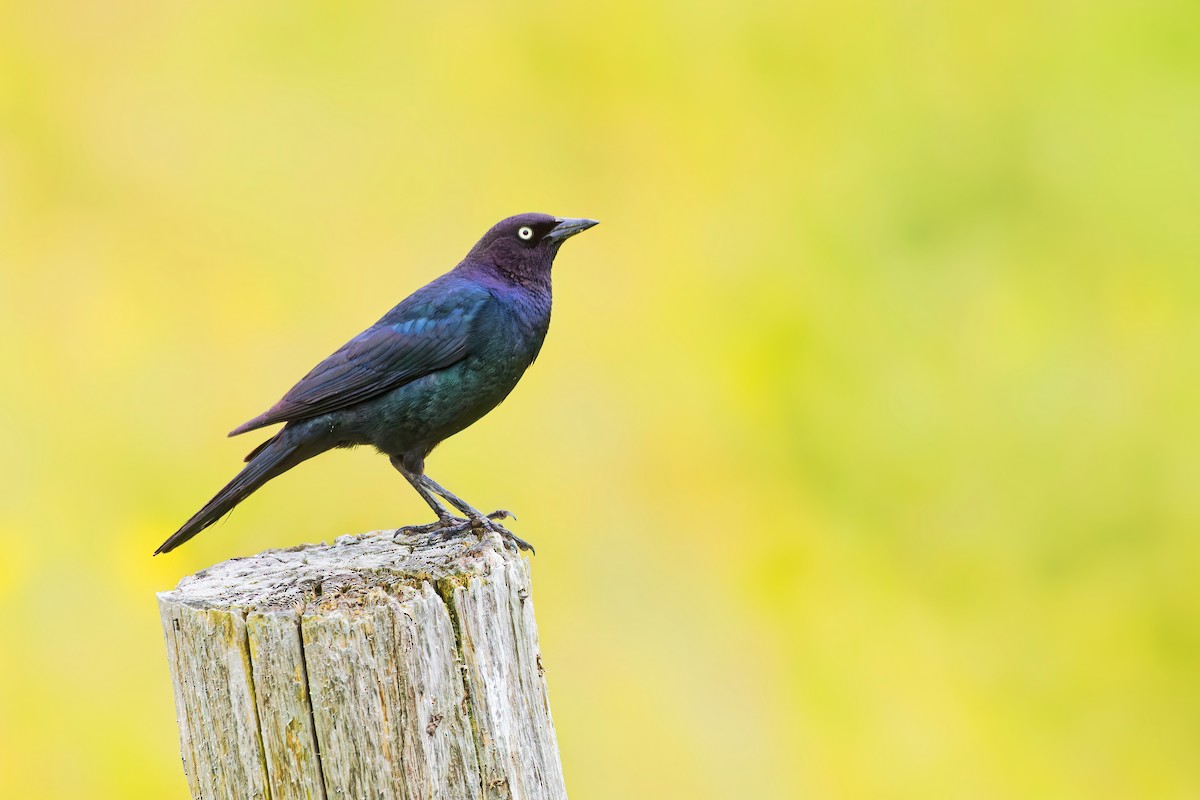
<point x="568" y="227"/>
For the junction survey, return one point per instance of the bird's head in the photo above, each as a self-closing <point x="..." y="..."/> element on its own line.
<point x="523" y="247"/>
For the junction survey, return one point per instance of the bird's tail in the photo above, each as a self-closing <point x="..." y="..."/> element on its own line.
<point x="273" y="457"/>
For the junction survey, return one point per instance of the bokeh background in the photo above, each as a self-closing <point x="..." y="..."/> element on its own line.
<point x="861" y="457"/>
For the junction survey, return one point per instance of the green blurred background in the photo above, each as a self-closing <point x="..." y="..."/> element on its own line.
<point x="862" y="454"/>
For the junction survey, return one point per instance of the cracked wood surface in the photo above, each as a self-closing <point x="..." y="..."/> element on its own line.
<point x="363" y="669"/>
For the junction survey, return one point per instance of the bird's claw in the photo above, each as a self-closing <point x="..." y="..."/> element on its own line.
<point x="484" y="524"/>
<point x="512" y="539"/>
<point x="449" y="527"/>
<point x="450" y="524"/>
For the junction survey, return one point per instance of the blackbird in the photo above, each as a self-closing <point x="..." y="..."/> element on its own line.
<point x="434" y="364"/>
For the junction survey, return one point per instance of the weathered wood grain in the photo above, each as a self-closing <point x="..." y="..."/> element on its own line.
<point x="208" y="653"/>
<point x="363" y="669"/>
<point x="284" y="710"/>
<point x="499" y="647"/>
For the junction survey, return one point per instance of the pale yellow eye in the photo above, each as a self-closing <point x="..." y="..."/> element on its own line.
<point x="525" y="233"/>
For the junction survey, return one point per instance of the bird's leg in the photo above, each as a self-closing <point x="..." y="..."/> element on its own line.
<point x="447" y="524"/>
<point x="442" y="512"/>
<point x="429" y="484"/>
<point x="479" y="520"/>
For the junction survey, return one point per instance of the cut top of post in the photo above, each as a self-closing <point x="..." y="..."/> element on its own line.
<point x="308" y="576"/>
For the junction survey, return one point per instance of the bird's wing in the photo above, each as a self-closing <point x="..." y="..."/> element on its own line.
<point x="417" y="337"/>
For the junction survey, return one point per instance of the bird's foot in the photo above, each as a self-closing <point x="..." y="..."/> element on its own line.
<point x="449" y="527"/>
<point x="484" y="524"/>
<point x="445" y="525"/>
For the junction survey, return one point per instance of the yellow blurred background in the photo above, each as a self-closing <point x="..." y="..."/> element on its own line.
<point x="862" y="455"/>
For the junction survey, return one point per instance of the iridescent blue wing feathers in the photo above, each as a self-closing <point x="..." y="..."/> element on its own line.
<point x="412" y="340"/>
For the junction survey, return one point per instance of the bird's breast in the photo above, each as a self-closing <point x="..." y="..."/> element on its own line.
<point x="421" y="413"/>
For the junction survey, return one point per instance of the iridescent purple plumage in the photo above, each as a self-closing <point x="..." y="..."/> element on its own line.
<point x="433" y="365"/>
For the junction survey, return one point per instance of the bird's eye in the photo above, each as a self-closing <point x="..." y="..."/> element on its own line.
<point x="525" y="233"/>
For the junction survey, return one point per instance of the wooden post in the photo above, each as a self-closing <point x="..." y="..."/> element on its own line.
<point x="363" y="669"/>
